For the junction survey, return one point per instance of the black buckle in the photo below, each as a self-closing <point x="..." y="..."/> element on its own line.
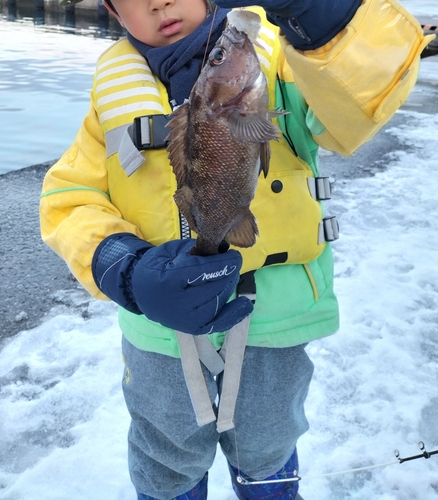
<point x="323" y="188"/>
<point x="150" y="132"/>
<point x="331" y="228"/>
<point x="247" y="286"/>
<point x="320" y="188"/>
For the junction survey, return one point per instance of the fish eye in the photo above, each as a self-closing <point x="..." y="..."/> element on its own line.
<point x="217" y="56"/>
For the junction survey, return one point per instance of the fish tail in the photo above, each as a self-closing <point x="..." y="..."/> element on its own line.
<point x="243" y="233"/>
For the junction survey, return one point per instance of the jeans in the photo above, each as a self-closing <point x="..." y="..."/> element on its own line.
<point x="169" y="454"/>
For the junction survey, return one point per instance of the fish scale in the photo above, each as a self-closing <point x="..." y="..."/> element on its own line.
<point x="219" y="141"/>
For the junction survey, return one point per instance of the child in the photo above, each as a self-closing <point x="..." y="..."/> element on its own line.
<point x="341" y="70"/>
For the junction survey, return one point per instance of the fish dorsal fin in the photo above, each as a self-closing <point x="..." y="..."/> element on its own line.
<point x="243" y="234"/>
<point x="251" y="127"/>
<point x="178" y="125"/>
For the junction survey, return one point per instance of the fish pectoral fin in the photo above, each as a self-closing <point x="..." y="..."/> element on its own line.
<point x="183" y="199"/>
<point x="243" y="233"/>
<point x="176" y="148"/>
<point x="251" y="127"/>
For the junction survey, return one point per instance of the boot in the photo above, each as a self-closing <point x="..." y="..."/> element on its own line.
<point x="199" y="492"/>
<point x="277" y="491"/>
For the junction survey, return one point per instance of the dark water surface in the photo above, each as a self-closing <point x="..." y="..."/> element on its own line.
<point x="75" y="19"/>
<point x="46" y="70"/>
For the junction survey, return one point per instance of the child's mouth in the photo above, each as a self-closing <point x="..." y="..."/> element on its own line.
<point x="170" y="27"/>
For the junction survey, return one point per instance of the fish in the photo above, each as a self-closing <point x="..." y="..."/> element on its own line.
<point x="219" y="142"/>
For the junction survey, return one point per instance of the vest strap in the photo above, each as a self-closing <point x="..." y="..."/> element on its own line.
<point x="113" y="138"/>
<point x="120" y="140"/>
<point x="208" y="355"/>
<point x="229" y="360"/>
<point x="232" y="352"/>
<point x="129" y="156"/>
<point x="195" y="379"/>
<point x="146" y="132"/>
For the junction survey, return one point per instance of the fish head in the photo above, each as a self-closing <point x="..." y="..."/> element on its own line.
<point x="232" y="73"/>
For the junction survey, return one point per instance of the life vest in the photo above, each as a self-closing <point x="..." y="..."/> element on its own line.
<point x="142" y="184"/>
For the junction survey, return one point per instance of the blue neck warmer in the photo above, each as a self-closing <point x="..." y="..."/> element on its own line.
<point x="178" y="65"/>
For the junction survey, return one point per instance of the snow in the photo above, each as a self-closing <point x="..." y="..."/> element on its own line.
<point x="63" y="423"/>
<point x="375" y="386"/>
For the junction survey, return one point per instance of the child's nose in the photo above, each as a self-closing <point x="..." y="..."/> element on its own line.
<point x="155" y="5"/>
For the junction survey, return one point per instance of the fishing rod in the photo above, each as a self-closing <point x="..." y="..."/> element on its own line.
<point x="425" y="454"/>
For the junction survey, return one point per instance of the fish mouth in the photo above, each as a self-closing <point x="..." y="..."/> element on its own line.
<point x="235" y="36"/>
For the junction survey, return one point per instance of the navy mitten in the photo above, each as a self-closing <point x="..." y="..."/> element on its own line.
<point x="168" y="285"/>
<point x="307" y="24"/>
<point x="279" y="7"/>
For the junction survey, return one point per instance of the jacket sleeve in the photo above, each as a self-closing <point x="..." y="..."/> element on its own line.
<point x="357" y="81"/>
<point x="76" y="212"/>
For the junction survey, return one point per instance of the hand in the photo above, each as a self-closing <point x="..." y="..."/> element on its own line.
<point x="168" y="285"/>
<point x="283" y="8"/>
<point x="188" y="292"/>
<point x="307" y="24"/>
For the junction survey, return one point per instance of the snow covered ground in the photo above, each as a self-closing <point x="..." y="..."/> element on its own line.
<point x="63" y="423"/>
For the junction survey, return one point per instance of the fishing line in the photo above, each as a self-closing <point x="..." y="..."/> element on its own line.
<point x="297" y="478"/>
<point x="237" y="454"/>
<point x="425" y="454"/>
<point x="209" y="35"/>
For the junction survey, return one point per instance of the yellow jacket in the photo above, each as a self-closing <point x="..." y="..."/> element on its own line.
<point x="339" y="96"/>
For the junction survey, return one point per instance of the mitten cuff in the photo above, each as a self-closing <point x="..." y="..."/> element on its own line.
<point x="309" y="25"/>
<point x="112" y="266"/>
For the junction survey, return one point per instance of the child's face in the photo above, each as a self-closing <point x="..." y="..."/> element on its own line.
<point x="160" y="22"/>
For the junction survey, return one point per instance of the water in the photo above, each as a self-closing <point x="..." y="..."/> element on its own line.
<point x="46" y="76"/>
<point x="49" y="13"/>
<point x="45" y="80"/>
